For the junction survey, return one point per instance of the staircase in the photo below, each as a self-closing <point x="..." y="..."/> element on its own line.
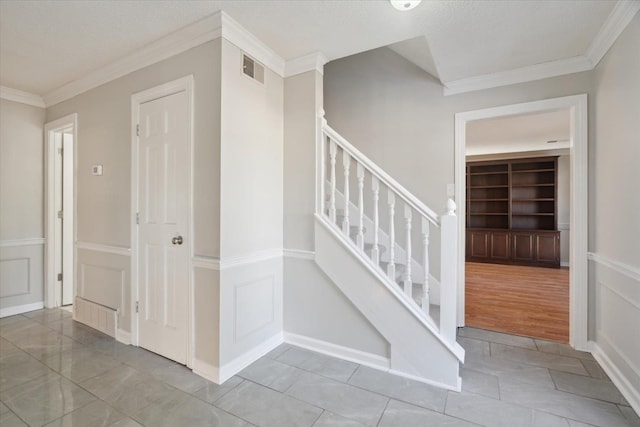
<point x="373" y="240"/>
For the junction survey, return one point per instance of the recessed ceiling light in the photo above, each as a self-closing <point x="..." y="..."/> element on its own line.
<point x="404" y="4"/>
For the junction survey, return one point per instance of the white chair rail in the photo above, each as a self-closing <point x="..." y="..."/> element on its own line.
<point x="387" y="236"/>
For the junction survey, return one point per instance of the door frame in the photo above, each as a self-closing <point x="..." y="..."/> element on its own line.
<point x="179" y="85"/>
<point x="51" y="297"/>
<point x="578" y="240"/>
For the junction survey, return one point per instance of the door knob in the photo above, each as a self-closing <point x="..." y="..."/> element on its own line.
<point x="177" y="240"/>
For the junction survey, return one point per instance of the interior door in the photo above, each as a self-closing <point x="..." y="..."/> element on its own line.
<point x="163" y="186"/>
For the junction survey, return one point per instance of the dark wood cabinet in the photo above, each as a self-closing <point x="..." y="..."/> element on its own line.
<point x="500" y="245"/>
<point x="512" y="212"/>
<point x="525" y="247"/>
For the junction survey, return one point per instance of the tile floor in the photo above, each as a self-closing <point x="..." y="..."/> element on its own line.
<point x="56" y="372"/>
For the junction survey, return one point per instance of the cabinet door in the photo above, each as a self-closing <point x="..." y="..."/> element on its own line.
<point x="547" y="248"/>
<point x="522" y="246"/>
<point x="500" y="246"/>
<point x="478" y="244"/>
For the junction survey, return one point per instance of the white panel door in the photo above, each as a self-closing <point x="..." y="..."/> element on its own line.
<point x="163" y="185"/>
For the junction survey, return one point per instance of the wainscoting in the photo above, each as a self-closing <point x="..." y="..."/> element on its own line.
<point x="21" y="276"/>
<point x="615" y="307"/>
<point x="238" y="306"/>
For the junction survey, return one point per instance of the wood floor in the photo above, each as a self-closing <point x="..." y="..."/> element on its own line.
<point x="529" y="301"/>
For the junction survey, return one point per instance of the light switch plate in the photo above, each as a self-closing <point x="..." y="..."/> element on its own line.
<point x="96" y="170"/>
<point x="451" y="190"/>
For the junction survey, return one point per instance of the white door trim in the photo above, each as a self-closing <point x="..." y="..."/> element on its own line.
<point x="578" y="285"/>
<point x="64" y="123"/>
<point x="183" y="84"/>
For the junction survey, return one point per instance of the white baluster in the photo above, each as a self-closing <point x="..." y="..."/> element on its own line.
<point x="375" y="251"/>
<point x="408" y="286"/>
<point x="346" y="163"/>
<point x="332" y="196"/>
<point x="391" y="268"/>
<point x="360" y="237"/>
<point x="425" y="254"/>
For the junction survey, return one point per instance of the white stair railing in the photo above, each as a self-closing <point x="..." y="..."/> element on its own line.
<point x="330" y="146"/>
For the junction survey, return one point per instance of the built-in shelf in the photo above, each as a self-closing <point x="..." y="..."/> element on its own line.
<point x="532" y="185"/>
<point x="533" y="170"/>
<point x="533" y="214"/>
<point x="512" y="211"/>
<point x="489" y="173"/>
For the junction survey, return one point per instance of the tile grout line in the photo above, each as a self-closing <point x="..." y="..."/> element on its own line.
<point x="386" y="405"/>
<point x="316" y="420"/>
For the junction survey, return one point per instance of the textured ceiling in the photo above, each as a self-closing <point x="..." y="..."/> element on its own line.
<point x="45" y="44"/>
<point x="529" y="132"/>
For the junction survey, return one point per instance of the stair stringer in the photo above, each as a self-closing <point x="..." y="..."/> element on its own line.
<point x="417" y="349"/>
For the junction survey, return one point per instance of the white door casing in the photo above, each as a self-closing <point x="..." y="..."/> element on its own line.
<point x="163" y="234"/>
<point x="67" y="292"/>
<point x="61" y="195"/>
<point x="578" y="294"/>
<point x="58" y="220"/>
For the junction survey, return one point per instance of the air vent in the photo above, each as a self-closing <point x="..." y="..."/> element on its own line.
<point x="252" y="69"/>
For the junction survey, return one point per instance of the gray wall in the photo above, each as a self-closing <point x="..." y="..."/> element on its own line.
<point x="104" y="137"/>
<point x="251" y="208"/>
<point x="615" y="241"/>
<point x="397" y="115"/>
<point x="313" y="306"/>
<point x="303" y="99"/>
<point x="251" y="152"/>
<point x="22" y="170"/>
<point x="21" y="205"/>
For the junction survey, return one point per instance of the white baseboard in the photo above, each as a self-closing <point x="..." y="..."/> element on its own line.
<point x="246" y="359"/>
<point x="123" y="336"/>
<point x="206" y="370"/>
<point x="360" y="357"/>
<point x="19" y="309"/>
<point x="352" y="355"/>
<point x="220" y="375"/>
<point x="626" y="388"/>
<point x="457" y="388"/>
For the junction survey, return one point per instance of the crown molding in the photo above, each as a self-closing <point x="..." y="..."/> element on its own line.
<point x="242" y="38"/>
<point x="179" y="41"/>
<point x="518" y="75"/>
<point x="212" y="27"/>
<point x="21" y="96"/>
<point x="313" y="61"/>
<point x="622" y="13"/>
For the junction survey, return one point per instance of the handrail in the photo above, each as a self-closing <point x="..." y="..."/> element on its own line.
<point x="409" y="198"/>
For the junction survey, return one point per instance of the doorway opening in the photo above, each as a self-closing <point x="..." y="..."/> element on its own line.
<point x="517" y="222"/>
<point x="519" y="238"/>
<point x="60" y="226"/>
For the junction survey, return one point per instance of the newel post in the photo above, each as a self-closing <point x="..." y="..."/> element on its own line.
<point x="320" y="162"/>
<point x="448" y="272"/>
